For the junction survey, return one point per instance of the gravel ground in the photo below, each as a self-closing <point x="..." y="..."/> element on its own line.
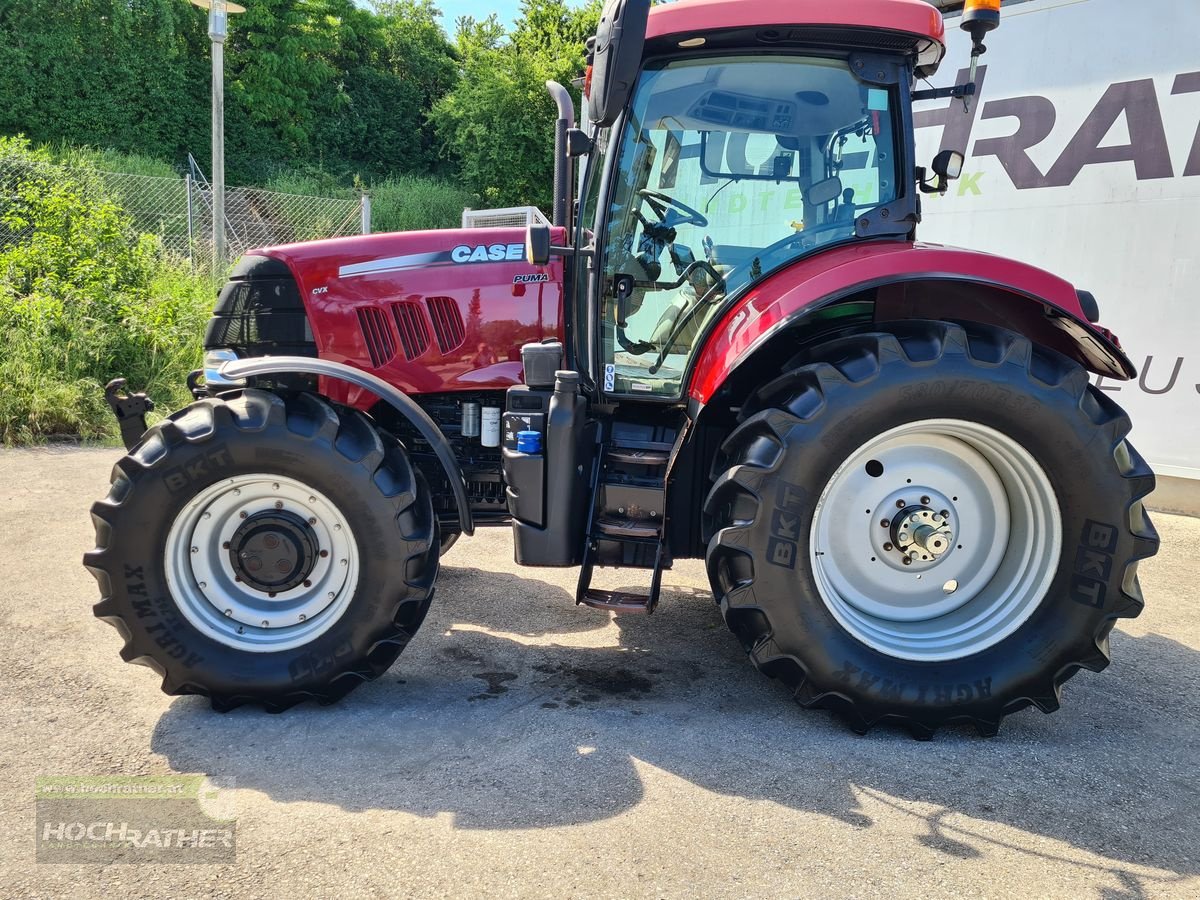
<point x="523" y="747"/>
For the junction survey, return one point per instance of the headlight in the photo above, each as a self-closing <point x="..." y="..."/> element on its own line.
<point x="213" y="360"/>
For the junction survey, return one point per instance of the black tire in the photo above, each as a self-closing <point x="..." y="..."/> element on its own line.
<point x="335" y="451"/>
<point x="797" y="431"/>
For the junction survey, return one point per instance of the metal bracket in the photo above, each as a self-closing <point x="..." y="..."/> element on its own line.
<point x="897" y="217"/>
<point x="957" y="92"/>
<point x="130" y="410"/>
<point x="877" y="68"/>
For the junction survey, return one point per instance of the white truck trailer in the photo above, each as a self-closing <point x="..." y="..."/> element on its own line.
<point x="1084" y="158"/>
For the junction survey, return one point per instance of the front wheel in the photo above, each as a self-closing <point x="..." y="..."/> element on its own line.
<point x="931" y="524"/>
<point x="263" y="549"/>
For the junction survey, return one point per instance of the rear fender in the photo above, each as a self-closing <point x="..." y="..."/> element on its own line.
<point x="397" y="399"/>
<point x="909" y="281"/>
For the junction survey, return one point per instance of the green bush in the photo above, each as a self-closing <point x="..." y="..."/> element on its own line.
<point x="83" y="298"/>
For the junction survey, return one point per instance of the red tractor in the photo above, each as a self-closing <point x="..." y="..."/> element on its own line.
<point x="912" y="503"/>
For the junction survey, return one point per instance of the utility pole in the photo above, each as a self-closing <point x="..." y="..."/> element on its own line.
<point x="218" y="29"/>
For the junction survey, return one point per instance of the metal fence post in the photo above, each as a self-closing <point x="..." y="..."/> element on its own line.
<point x="366" y="214"/>
<point x="187" y="183"/>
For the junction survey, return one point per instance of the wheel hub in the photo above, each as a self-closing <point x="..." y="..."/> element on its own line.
<point x="273" y="551"/>
<point x="922" y="534"/>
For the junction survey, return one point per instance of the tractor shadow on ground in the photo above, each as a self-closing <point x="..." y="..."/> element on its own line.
<point x="514" y="709"/>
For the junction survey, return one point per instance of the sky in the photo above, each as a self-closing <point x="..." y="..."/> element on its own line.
<point x="451" y="9"/>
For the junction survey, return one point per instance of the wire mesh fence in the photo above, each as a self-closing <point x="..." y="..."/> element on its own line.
<point x="179" y="210"/>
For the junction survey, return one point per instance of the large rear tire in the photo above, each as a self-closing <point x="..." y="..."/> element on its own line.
<point x="932" y="524"/>
<point x="263" y="549"/>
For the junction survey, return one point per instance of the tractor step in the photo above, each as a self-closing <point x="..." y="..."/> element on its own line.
<point x="627" y="523"/>
<point x="637" y="457"/>
<point x="629" y="529"/>
<point x="618" y="601"/>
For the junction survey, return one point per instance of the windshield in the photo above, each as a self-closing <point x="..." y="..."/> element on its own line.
<point x="729" y="168"/>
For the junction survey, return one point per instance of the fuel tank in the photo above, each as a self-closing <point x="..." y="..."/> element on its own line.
<point x="428" y="311"/>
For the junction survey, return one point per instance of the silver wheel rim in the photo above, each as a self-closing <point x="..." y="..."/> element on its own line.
<point x="212" y="596"/>
<point x="974" y="514"/>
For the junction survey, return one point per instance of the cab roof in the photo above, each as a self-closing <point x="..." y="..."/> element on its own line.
<point x="698" y="18"/>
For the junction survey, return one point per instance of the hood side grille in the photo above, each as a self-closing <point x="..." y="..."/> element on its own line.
<point x="414" y="332"/>
<point x="447" y="323"/>
<point x="381" y="344"/>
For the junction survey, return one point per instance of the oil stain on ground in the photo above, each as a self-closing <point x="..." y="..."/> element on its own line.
<point x="495" y="684"/>
<point x="584" y="684"/>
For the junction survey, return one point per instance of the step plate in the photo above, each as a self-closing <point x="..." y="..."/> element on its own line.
<point x="616" y="601"/>
<point x="638" y="457"/>
<point x="628" y="528"/>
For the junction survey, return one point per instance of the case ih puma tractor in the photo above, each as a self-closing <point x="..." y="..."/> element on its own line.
<point x="729" y="345"/>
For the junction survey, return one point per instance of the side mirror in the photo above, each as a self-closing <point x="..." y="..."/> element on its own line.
<point x="537" y="245"/>
<point x="824" y="192"/>
<point x="620" y="40"/>
<point x="948" y="165"/>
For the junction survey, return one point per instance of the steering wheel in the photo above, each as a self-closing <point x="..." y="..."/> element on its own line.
<point x="662" y="204"/>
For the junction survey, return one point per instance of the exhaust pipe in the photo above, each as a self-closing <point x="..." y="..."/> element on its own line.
<point x="562" y="159"/>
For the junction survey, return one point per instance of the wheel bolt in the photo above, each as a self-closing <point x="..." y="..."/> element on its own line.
<point x="237" y="492"/>
<point x="271" y="594"/>
<point x="308" y="584"/>
<point x="203" y="585"/>
<point x="303" y="617"/>
<point x="266" y="624"/>
<point x="900" y="504"/>
<point x="225" y="546"/>
<point x="237" y="577"/>
<point x="907" y="561"/>
<point x="312" y="499"/>
<point x="312" y="520"/>
<point x="331" y="595"/>
<point x="195" y="549"/>
<point x="345" y="562"/>
<point x="229" y="612"/>
<point x="241" y="515"/>
<point x="275" y="486"/>
<point x="886" y="523"/>
<point x="279" y="504"/>
<point x="208" y="515"/>
<point x="945" y="514"/>
<point x="924" y="501"/>
<point x="324" y="553"/>
<point x="888" y="547"/>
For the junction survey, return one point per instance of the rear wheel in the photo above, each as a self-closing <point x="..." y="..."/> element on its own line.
<point x="931" y="524"/>
<point x="265" y="550"/>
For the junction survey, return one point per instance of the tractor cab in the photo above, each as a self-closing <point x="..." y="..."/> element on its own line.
<point x="725" y="169"/>
<point x="726" y="147"/>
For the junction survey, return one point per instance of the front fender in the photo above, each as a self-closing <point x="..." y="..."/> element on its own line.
<point x="969" y="285"/>
<point x="401" y="402"/>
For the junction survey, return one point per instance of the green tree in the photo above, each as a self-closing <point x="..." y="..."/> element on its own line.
<point x="395" y="63"/>
<point x="113" y="73"/>
<point x="498" y="121"/>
